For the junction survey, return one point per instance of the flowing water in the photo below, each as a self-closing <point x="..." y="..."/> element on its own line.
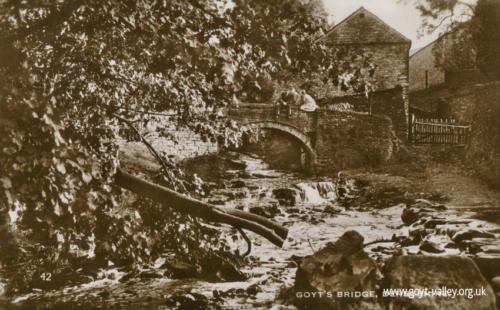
<point x="314" y="219"/>
<point x="308" y="208"/>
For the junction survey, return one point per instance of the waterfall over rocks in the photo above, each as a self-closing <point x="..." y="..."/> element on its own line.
<point x="317" y="192"/>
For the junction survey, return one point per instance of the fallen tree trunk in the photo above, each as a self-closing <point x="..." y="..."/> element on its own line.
<point x="239" y="219"/>
<point x="280" y="230"/>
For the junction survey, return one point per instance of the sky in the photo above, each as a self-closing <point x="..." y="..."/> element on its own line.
<point x="401" y="16"/>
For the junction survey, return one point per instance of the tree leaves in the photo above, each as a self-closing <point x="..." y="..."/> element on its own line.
<point x="73" y="65"/>
<point x="6" y="183"/>
<point x="469" y="33"/>
<point x="86" y="177"/>
<point x="61" y="168"/>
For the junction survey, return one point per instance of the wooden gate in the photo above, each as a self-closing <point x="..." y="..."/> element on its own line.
<point x="438" y="131"/>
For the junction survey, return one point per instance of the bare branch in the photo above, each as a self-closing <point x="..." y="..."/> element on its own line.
<point x="213" y="15"/>
<point x="441" y="22"/>
<point x="148" y="145"/>
<point x="249" y="242"/>
<point x="383" y="240"/>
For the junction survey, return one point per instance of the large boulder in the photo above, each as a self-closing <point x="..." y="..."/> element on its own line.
<point x="178" y="269"/>
<point x="428" y="245"/>
<point x="438" y="273"/>
<point x="489" y="264"/>
<point x="285" y="196"/>
<point x="339" y="268"/>
<point x="469" y="234"/>
<point x="420" y="209"/>
<point x="411" y="214"/>
<point x="495" y="282"/>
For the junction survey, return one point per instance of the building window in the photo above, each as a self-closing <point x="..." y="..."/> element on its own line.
<point x="426" y="79"/>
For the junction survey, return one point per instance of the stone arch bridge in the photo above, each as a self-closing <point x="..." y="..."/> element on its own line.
<point x="332" y="140"/>
<point x="303" y="139"/>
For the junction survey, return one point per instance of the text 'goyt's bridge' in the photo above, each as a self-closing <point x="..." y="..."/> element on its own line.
<point x="332" y="140"/>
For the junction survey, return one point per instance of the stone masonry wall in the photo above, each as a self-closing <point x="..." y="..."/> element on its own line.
<point x="162" y="134"/>
<point x="457" y="101"/>
<point x="391" y="62"/>
<point x="339" y="139"/>
<point x="365" y="33"/>
<point x="362" y="26"/>
<point x="391" y="70"/>
<point x="391" y="96"/>
<point x="387" y="102"/>
<point x="390" y="79"/>
<point x="479" y="106"/>
<point x="483" y="151"/>
<point x="190" y="144"/>
<point x="248" y="113"/>
<point x="352" y="140"/>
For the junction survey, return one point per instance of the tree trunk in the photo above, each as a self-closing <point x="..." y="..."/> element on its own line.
<point x="239" y="219"/>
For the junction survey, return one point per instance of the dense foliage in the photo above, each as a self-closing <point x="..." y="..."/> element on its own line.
<point x="69" y="68"/>
<point x="487" y="35"/>
<point x="471" y="30"/>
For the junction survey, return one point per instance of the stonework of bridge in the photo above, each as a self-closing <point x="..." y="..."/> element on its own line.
<point x="332" y="140"/>
<point x="302" y="138"/>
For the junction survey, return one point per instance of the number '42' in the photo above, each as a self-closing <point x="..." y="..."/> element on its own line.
<point x="46" y="276"/>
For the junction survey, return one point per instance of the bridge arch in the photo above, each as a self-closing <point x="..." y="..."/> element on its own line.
<point x="303" y="139"/>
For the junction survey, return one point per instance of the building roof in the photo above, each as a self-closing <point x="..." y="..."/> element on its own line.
<point x="460" y="27"/>
<point x="418" y="50"/>
<point x="363" y="27"/>
<point x="415" y="50"/>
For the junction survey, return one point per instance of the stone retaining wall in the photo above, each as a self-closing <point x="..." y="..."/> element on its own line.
<point x="388" y="102"/>
<point x="191" y="144"/>
<point x="352" y="140"/>
<point x="178" y="143"/>
<point x="483" y="151"/>
<point x="478" y="105"/>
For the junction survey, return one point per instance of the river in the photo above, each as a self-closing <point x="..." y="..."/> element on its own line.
<point x="309" y="208"/>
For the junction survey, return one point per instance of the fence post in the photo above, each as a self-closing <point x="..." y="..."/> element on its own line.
<point x="410" y="128"/>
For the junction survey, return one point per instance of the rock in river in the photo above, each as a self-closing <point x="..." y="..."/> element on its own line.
<point x="238" y="184"/>
<point x="268" y="212"/>
<point x="339" y="267"/>
<point x="180" y="270"/>
<point x="286" y="196"/>
<point x="437" y="272"/>
<point x="420" y="209"/>
<point x="495" y="282"/>
<point x="470" y="234"/>
<point x="411" y="215"/>
<point x="489" y="264"/>
<point x="188" y="301"/>
<point x="431" y="246"/>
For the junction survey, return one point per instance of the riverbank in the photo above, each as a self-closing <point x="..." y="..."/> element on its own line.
<point x="438" y="174"/>
<point x="416" y="206"/>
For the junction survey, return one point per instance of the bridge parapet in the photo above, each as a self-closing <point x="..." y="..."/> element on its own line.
<point x="335" y="140"/>
<point x="294" y="117"/>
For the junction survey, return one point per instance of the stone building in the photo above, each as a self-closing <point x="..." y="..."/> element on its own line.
<point x="456" y="63"/>
<point x="423" y="70"/>
<point x="441" y="70"/>
<point x="365" y="32"/>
